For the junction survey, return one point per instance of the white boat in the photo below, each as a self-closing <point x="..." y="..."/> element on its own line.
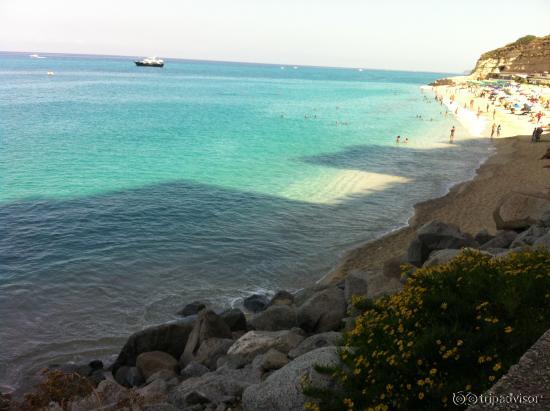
<point x="51" y="73"/>
<point x="36" y="56"/>
<point x="150" y="62"/>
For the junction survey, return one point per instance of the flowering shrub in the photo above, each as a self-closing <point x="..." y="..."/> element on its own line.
<point x="454" y="327"/>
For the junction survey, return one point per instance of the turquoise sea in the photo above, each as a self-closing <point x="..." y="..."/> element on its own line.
<point x="126" y="191"/>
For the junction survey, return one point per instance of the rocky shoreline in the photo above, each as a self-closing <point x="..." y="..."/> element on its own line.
<point x="261" y="358"/>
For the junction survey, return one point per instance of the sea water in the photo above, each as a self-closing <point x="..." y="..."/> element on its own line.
<point x="126" y="192"/>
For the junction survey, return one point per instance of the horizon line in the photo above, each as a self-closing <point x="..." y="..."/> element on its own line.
<point x="229" y="61"/>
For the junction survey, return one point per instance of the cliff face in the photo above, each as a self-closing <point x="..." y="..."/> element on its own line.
<point x="527" y="55"/>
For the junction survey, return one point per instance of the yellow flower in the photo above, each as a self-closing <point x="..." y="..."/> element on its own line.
<point x="444" y="306"/>
<point x="459" y="343"/>
<point x="508" y="330"/>
<point x="492" y="378"/>
<point x="433" y="371"/>
<point x="419" y="362"/>
<point x="497" y="366"/>
<point x="409" y="386"/>
<point x="420" y="395"/>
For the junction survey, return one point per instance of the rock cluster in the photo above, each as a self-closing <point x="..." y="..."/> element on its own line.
<point x="262" y="360"/>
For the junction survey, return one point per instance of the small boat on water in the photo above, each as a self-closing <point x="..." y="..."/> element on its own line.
<point x="51" y="73"/>
<point x="150" y="62"/>
<point x="36" y="56"/>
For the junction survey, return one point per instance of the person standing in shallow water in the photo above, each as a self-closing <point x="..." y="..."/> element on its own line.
<point x="398" y="139"/>
<point x="493" y="128"/>
<point x="452" y="136"/>
<point x="498" y="131"/>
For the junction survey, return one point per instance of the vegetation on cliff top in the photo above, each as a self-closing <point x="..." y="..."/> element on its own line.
<point x="454" y="327"/>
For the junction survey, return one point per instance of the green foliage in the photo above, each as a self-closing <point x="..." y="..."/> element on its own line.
<point x="525" y="39"/>
<point x="454" y="327"/>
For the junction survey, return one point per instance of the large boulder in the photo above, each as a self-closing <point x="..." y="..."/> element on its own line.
<point x="256" y="303"/>
<point x="274" y="318"/>
<point x="354" y="285"/>
<point x="328" y="339"/>
<point x="529" y="236"/>
<point x="194" y="369"/>
<point x="192" y="308"/>
<point x="223" y="386"/>
<point x="502" y="239"/>
<point x="283" y="390"/>
<point x="517" y="211"/>
<point x="282" y="297"/>
<point x="271" y="360"/>
<point x="129" y="376"/>
<point x="170" y="338"/>
<point x="417" y="254"/>
<point x="437" y="235"/>
<point x="149" y="363"/>
<point x="323" y="311"/>
<point x="208" y="352"/>
<point x="235" y="319"/>
<point x="483" y="236"/>
<point x="254" y="343"/>
<point x="543" y="241"/>
<point x="208" y="325"/>
<point x="434" y="236"/>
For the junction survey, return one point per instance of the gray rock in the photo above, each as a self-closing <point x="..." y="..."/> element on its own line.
<point x="274" y="318"/>
<point x="154" y="392"/>
<point x="529" y="236"/>
<point x="502" y="239"/>
<point x="192" y="308"/>
<point x="483" y="236"/>
<point x="256" y="303"/>
<point x="235" y="319"/>
<point x="208" y="325"/>
<point x="234" y="362"/>
<point x="543" y="241"/>
<point x="323" y="311"/>
<point x="437" y="235"/>
<point x="208" y="352"/>
<point x="254" y="343"/>
<point x="217" y="387"/>
<point x="148" y="363"/>
<point x="129" y="376"/>
<point x="327" y="339"/>
<point x="517" y="211"/>
<point x="194" y="369"/>
<point x="417" y="254"/>
<point x="282" y="390"/>
<point x="282" y="297"/>
<point x="544" y="221"/>
<point x="354" y="284"/>
<point x="271" y="360"/>
<point x="164" y="374"/>
<point x="170" y="338"/>
<point x="441" y="257"/>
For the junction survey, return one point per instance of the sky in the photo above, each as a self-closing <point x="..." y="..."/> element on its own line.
<point x="423" y="35"/>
